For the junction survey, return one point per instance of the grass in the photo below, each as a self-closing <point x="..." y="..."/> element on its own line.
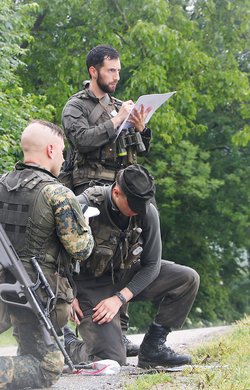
<point x="6" y="338"/>
<point x="231" y="354"/>
<point x="223" y="364"/>
<point x="146" y="381"/>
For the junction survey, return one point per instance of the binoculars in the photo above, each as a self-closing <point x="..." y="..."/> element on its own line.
<point x="129" y="138"/>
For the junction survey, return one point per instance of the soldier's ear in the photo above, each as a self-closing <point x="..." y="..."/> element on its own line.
<point x="115" y="191"/>
<point x="93" y="72"/>
<point x="50" y="151"/>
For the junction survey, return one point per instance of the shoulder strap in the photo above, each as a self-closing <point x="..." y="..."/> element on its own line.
<point x="98" y="110"/>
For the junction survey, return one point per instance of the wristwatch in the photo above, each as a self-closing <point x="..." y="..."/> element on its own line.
<point x="121" y="297"/>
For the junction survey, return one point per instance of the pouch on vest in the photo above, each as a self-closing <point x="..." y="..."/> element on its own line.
<point x="133" y="256"/>
<point x="100" y="260"/>
<point x="60" y="286"/>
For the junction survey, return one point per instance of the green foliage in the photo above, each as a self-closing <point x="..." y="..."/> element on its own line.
<point x="7" y="338"/>
<point x="17" y="107"/>
<point x="225" y="32"/>
<point x="141" y="314"/>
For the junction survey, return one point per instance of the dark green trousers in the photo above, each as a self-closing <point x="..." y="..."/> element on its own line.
<point x="172" y="292"/>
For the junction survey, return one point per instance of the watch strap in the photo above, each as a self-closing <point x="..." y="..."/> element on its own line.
<point x="121" y="297"/>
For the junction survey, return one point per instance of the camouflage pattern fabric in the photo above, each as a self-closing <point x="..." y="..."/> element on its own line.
<point x="71" y="227"/>
<point x="54" y="217"/>
<point x="38" y="365"/>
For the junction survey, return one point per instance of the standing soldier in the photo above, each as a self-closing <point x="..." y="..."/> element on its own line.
<point x="42" y="218"/>
<point x="91" y="119"/>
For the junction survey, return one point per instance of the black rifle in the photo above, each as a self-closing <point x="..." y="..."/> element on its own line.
<point x="24" y="292"/>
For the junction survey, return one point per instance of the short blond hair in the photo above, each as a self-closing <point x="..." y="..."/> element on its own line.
<point x="54" y="128"/>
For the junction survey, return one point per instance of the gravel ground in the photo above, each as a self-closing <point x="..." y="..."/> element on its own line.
<point x="180" y="341"/>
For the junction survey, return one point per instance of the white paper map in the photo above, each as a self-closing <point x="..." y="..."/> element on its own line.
<point x="153" y="101"/>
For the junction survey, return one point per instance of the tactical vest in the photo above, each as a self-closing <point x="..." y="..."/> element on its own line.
<point x="114" y="248"/>
<point x="19" y="191"/>
<point x="103" y="162"/>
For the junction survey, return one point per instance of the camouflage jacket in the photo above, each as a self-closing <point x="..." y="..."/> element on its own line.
<point x="40" y="215"/>
<point x="95" y="149"/>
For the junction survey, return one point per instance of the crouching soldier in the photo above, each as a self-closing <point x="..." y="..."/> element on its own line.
<point x="126" y="265"/>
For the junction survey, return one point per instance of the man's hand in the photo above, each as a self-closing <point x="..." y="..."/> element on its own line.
<point x="106" y="310"/>
<point x="138" y="117"/>
<point x="76" y="312"/>
<point x="123" y="113"/>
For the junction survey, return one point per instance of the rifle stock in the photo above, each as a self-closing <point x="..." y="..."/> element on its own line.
<point x="23" y="293"/>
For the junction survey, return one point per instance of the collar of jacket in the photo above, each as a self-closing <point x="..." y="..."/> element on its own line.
<point x="20" y="166"/>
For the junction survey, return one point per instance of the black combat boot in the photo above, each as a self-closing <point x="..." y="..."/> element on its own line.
<point x="154" y="352"/>
<point x="131" y="348"/>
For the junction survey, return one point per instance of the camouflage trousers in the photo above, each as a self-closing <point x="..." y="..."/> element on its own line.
<point x="37" y="365"/>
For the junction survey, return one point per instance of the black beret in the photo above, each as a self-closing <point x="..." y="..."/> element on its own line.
<point x="138" y="186"/>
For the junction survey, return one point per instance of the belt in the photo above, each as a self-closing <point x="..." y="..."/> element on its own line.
<point x="98" y="173"/>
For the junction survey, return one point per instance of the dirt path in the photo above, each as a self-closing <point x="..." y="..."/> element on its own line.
<point x="180" y="341"/>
